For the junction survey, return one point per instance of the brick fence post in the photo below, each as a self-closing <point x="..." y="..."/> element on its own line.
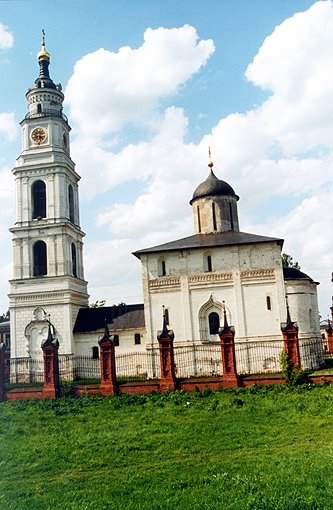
<point x="50" y="348"/>
<point x="329" y="332"/>
<point x="227" y="342"/>
<point x="2" y="370"/>
<point x="165" y="339"/>
<point x="290" y="340"/>
<point x="108" y="364"/>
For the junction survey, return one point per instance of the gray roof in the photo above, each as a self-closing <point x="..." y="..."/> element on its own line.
<point x="230" y="238"/>
<point x="130" y="320"/>
<point x="213" y="186"/>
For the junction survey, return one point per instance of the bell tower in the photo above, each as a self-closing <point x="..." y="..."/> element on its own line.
<point x="48" y="278"/>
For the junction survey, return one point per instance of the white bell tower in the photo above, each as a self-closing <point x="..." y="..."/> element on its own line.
<point x="48" y="279"/>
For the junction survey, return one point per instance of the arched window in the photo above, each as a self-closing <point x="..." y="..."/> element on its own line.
<point x="268" y="303"/>
<point x="39" y="108"/>
<point x="214" y="217"/>
<point x="40" y="258"/>
<point x="71" y="203"/>
<point x="214" y="323"/>
<point x="137" y="338"/>
<point x="95" y="352"/>
<point x="116" y="340"/>
<point x="207" y="263"/>
<point x="161" y="267"/>
<point x="74" y="265"/>
<point x="199" y="220"/>
<point x="231" y="217"/>
<point x="38" y="200"/>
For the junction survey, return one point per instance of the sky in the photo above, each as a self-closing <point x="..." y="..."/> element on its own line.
<point x="149" y="86"/>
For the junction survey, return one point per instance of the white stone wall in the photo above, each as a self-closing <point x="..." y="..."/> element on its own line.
<point x="242" y="276"/>
<point x="84" y="342"/>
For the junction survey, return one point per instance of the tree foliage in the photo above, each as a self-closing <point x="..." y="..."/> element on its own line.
<point x="288" y="261"/>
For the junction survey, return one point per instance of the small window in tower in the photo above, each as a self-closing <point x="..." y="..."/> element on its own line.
<point x="268" y="303"/>
<point x="39" y="108"/>
<point x="214" y="216"/>
<point x="74" y="263"/>
<point x="231" y="217"/>
<point x="161" y="267"/>
<point x="38" y="200"/>
<point x="208" y="265"/>
<point x="137" y="339"/>
<point x="95" y="352"/>
<point x="40" y="259"/>
<point x="199" y="220"/>
<point x="116" y="340"/>
<point x="214" y="323"/>
<point x="71" y="203"/>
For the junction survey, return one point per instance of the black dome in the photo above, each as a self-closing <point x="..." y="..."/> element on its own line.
<point x="291" y="273"/>
<point x="213" y="186"/>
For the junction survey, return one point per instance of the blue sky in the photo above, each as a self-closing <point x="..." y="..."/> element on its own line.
<point x="149" y="85"/>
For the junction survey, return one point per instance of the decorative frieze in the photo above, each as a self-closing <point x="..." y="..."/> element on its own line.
<point x="258" y="274"/>
<point x="158" y="283"/>
<point x="210" y="278"/>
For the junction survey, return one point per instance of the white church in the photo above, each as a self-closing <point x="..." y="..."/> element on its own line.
<point x="194" y="279"/>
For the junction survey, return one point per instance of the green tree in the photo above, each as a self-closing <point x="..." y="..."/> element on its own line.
<point x="98" y="304"/>
<point x="287" y="261"/>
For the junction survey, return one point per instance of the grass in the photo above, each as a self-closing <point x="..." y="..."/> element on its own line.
<point x="264" y="448"/>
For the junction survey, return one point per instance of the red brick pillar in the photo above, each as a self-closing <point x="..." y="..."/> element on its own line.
<point x="50" y="348"/>
<point x="167" y="363"/>
<point x="2" y="370"/>
<point x="108" y="364"/>
<point x="329" y="332"/>
<point x="229" y="370"/>
<point x="291" y="344"/>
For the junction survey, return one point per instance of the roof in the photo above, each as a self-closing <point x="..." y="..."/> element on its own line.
<point x="196" y="241"/>
<point x="213" y="186"/>
<point x="117" y="317"/>
<point x="291" y="273"/>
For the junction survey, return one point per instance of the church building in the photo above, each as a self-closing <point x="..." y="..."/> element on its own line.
<point x="194" y="279"/>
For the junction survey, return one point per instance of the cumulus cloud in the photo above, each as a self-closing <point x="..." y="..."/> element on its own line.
<point x="6" y="38"/>
<point x="8" y="127"/>
<point x="124" y="87"/>
<point x="280" y="150"/>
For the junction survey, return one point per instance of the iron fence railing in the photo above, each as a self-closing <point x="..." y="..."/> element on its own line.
<point x="24" y="373"/>
<point x="83" y="369"/>
<point x="138" y="366"/>
<point x="198" y="361"/>
<point x="255" y="357"/>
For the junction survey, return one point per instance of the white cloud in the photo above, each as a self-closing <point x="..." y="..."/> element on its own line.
<point x="124" y="87"/>
<point x="6" y="38"/>
<point x="279" y="150"/>
<point x="8" y="126"/>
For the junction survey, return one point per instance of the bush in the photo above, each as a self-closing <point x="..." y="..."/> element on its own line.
<point x="293" y="374"/>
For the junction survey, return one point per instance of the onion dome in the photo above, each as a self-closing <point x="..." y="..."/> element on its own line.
<point x="213" y="186"/>
<point x="44" y="57"/>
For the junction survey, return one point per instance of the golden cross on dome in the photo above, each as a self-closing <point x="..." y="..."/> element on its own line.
<point x="210" y="164"/>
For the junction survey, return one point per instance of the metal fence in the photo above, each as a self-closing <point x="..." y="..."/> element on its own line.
<point x="138" y="366"/>
<point x="254" y="357"/>
<point x="24" y="373"/>
<point x="198" y="361"/>
<point x="82" y="369"/>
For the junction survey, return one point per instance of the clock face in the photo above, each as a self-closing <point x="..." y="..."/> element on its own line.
<point x="38" y="135"/>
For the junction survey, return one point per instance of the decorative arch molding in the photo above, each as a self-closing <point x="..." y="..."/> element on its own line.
<point x="208" y="320"/>
<point x="36" y="331"/>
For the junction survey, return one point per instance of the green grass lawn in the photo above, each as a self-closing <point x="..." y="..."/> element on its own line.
<point x="267" y="448"/>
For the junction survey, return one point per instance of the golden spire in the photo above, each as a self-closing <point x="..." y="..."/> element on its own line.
<point x="210" y="164"/>
<point x="43" y="54"/>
